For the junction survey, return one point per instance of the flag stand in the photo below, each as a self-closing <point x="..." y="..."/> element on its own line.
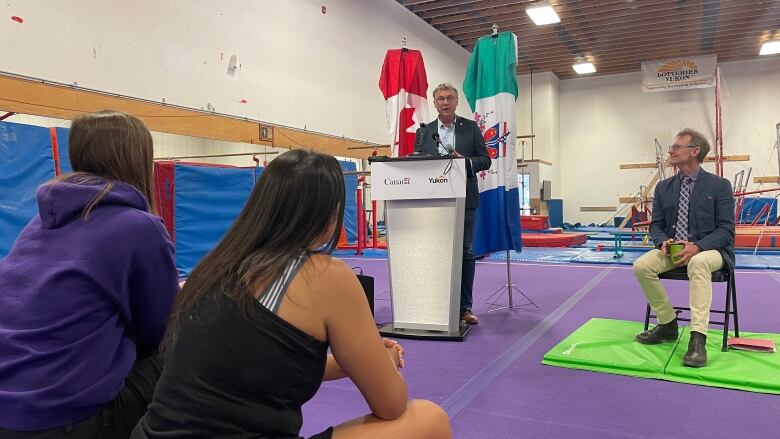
<point x="510" y="289"/>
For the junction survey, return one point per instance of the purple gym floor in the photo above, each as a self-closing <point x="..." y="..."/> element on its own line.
<point x="493" y="385"/>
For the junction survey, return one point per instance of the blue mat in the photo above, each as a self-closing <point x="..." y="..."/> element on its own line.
<point x="542" y="254"/>
<point x="758" y="261"/>
<point x="62" y="146"/>
<point x="26" y="162"/>
<point x="367" y="253"/>
<point x="208" y="199"/>
<point x="350" y="202"/>
<point x="589" y="229"/>
<point x="589" y="255"/>
<point x="602" y="237"/>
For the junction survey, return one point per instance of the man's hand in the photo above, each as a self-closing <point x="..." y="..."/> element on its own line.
<point x="395" y="351"/>
<point x="690" y="250"/>
<point x="456" y="154"/>
<point x="665" y="246"/>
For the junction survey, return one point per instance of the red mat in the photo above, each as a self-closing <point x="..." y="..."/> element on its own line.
<point x="553" y="239"/>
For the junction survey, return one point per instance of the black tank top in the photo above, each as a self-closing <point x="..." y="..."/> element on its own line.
<point x="234" y="375"/>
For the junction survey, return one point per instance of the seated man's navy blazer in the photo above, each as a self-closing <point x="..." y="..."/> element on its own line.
<point x="711" y="214"/>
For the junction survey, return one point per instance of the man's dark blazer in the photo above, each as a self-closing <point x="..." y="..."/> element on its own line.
<point x="469" y="143"/>
<point x="710" y="213"/>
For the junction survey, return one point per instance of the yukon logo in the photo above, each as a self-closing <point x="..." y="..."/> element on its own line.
<point x="678" y="70"/>
<point x="495" y="136"/>
<point x="495" y="139"/>
<point x="397" y="181"/>
<point x="437" y="180"/>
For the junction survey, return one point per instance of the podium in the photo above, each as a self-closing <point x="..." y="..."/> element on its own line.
<point x="425" y="198"/>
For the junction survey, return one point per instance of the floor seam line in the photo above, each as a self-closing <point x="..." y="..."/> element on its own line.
<point x="474" y="386"/>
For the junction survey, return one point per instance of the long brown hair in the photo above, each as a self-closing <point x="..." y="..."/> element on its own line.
<point x="115" y="146"/>
<point x="296" y="200"/>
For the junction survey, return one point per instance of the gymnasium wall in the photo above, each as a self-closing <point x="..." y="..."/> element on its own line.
<point x="299" y="66"/>
<point x="305" y="68"/>
<point x="198" y="201"/>
<point x="607" y="120"/>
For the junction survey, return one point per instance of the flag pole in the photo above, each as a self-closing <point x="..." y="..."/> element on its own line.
<point x="496" y="139"/>
<point x="510" y="288"/>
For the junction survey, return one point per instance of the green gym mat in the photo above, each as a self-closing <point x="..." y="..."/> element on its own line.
<point x="603" y="345"/>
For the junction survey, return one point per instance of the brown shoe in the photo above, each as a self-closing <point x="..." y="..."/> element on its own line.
<point x="469" y="317"/>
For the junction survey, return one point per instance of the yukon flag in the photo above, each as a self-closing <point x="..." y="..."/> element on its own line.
<point x="490" y="86"/>
<point x="404" y="85"/>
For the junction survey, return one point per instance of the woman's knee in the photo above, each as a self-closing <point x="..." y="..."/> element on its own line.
<point x="434" y="419"/>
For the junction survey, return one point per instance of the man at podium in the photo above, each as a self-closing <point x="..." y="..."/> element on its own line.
<point x="454" y="135"/>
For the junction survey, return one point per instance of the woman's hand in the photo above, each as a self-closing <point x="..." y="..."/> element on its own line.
<point x="395" y="351"/>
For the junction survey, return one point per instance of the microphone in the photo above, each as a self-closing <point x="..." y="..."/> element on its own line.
<point x="417" y="150"/>
<point x="437" y="139"/>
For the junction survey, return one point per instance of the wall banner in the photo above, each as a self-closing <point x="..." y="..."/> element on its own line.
<point x="679" y="73"/>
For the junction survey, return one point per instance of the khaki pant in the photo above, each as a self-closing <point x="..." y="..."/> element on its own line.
<point x="700" y="268"/>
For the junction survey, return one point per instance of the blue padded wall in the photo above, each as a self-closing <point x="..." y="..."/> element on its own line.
<point x="25" y="163"/>
<point x="207" y="200"/>
<point x="752" y="206"/>
<point x="350" y="203"/>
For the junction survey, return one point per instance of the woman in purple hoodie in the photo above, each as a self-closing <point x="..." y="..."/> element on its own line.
<point x="86" y="291"/>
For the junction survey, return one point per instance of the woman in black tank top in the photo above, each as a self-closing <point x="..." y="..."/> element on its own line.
<point x="247" y="343"/>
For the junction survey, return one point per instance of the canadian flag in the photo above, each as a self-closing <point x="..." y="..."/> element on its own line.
<point x="404" y="85"/>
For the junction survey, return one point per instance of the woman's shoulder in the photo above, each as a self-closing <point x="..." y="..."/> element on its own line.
<point x="143" y="227"/>
<point x="145" y="221"/>
<point x="325" y="266"/>
<point x="328" y="274"/>
<point x="331" y="281"/>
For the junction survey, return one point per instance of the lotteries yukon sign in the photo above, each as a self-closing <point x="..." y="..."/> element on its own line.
<point x="679" y="73"/>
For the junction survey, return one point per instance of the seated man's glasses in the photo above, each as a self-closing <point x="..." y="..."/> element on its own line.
<point x="676" y="147"/>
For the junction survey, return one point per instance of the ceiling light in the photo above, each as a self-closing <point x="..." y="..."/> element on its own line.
<point x="584" y="67"/>
<point x="542" y="13"/>
<point x="770" y="48"/>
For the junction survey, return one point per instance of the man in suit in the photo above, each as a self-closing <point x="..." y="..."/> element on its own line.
<point x="463" y="137"/>
<point x="696" y="208"/>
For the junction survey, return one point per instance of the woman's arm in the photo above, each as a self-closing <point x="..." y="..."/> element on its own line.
<point x="153" y="287"/>
<point x="356" y="346"/>
<point x="333" y="370"/>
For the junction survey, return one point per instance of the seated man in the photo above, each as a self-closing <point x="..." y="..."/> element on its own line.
<point x="695" y="208"/>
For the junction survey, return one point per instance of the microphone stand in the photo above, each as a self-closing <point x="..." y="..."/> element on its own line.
<point x="449" y="154"/>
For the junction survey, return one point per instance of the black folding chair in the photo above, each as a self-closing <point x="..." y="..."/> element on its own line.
<point x="722" y="275"/>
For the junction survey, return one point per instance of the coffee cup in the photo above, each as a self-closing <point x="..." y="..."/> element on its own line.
<point x="674" y="249"/>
